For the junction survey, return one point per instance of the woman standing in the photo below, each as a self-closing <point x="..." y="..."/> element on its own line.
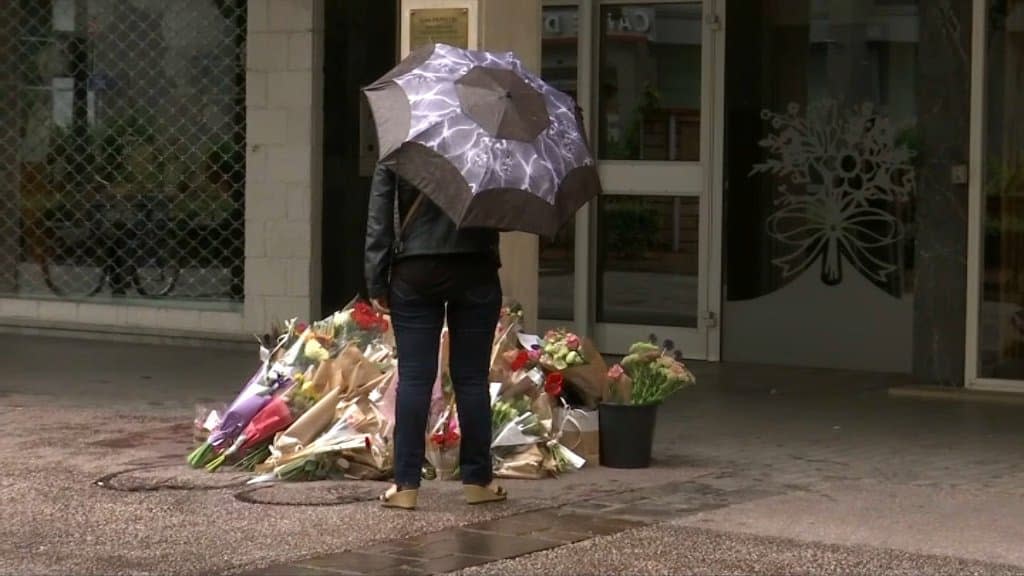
<point x="423" y="269"/>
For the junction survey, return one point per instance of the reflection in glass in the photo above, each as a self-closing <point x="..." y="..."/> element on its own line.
<point x="557" y="267"/>
<point x="648" y="260"/>
<point x="650" y="82"/>
<point x="1002" y="307"/>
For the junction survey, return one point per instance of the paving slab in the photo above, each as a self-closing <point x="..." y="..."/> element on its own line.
<point x="678" y="550"/>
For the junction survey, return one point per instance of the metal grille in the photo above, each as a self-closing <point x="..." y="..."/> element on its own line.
<point x="122" y="148"/>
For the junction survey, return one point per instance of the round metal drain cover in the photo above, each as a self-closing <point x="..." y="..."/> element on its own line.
<point x="171" y="477"/>
<point x="322" y="493"/>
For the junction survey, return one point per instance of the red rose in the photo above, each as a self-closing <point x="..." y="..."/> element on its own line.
<point x="365" y="317"/>
<point x="522" y="357"/>
<point x="437" y="438"/>
<point x="553" y="384"/>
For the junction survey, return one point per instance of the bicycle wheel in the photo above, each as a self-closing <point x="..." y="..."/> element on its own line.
<point x="155" y="270"/>
<point x="156" y="278"/>
<point x="73" y="258"/>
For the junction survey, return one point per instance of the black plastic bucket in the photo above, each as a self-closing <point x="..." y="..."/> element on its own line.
<point x="627" y="434"/>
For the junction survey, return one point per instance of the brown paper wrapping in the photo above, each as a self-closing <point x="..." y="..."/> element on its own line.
<point x="371" y="463"/>
<point x="354" y="372"/>
<point x="591" y="379"/>
<point x="326" y="377"/>
<point x="516" y="385"/>
<point x="580" y="432"/>
<point x="307" y="427"/>
<point x="360" y="471"/>
<point x="527" y="464"/>
<point x="543" y="407"/>
<point x="506" y="339"/>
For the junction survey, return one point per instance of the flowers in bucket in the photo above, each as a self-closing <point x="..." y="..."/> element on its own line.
<point x="562" y="349"/>
<point x="649" y="374"/>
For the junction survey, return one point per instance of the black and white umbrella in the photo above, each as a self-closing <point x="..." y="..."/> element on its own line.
<point x="490" y="143"/>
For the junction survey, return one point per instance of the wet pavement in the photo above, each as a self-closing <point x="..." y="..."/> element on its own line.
<point x="759" y="470"/>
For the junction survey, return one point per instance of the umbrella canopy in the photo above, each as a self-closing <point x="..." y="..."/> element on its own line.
<point x="490" y="143"/>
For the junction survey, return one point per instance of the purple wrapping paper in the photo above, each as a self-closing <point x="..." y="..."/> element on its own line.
<point x="250" y="388"/>
<point x="237" y="418"/>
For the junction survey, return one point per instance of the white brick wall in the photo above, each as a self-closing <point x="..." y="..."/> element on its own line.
<point x="282" y="232"/>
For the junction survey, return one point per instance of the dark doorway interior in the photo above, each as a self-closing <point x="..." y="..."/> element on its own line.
<point x="359" y="47"/>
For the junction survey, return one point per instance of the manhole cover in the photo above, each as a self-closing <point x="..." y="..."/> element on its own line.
<point x="171" y="477"/>
<point x="323" y="493"/>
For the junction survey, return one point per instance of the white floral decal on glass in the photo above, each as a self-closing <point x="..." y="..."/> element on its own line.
<point x="842" y="173"/>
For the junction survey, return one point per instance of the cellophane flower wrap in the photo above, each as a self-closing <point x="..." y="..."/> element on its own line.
<point x="358" y="323"/>
<point x="524" y="439"/>
<point x="443" y="441"/>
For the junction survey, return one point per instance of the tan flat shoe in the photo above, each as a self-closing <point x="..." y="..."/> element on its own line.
<point x="395" y="498"/>
<point x="484" y="494"/>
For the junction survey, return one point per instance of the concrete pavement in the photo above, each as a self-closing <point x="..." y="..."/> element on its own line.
<point x="760" y="470"/>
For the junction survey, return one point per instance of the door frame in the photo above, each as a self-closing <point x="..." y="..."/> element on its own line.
<point x="704" y="341"/>
<point x="976" y="207"/>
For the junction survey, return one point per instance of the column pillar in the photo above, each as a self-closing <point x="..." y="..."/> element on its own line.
<point x="515" y="25"/>
<point x="284" y="75"/>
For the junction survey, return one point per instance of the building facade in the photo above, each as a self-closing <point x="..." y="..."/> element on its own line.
<point x="804" y="182"/>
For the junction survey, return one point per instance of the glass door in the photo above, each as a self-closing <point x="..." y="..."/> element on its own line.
<point x="995" y="338"/>
<point x="642" y="259"/>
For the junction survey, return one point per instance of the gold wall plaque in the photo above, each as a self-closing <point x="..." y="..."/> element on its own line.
<point x="439" y="25"/>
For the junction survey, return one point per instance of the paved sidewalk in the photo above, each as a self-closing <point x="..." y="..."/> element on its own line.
<point x="759" y="470"/>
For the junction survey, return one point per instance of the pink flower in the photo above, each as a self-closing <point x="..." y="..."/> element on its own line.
<point x="533" y="354"/>
<point x="616" y="372"/>
<point x="572" y="341"/>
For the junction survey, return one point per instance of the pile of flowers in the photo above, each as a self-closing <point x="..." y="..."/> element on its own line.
<point x="321" y="402"/>
<point x="303" y="404"/>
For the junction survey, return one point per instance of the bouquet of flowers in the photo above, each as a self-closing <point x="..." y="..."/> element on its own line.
<point x="350" y="435"/>
<point x="524" y="443"/>
<point x="582" y="370"/>
<point x="256" y="394"/>
<point x="360" y="324"/>
<point x="650" y="373"/>
<point x="442" y="450"/>
<point x="503" y="412"/>
<point x="562" y="349"/>
<point x="257" y="435"/>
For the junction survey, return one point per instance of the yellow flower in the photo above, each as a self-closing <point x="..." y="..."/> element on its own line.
<point x="315" y="351"/>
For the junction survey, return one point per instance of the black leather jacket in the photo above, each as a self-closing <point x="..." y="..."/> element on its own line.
<point x="430" y="232"/>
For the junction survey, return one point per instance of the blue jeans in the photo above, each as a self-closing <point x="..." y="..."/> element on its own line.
<point x="418" y="318"/>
